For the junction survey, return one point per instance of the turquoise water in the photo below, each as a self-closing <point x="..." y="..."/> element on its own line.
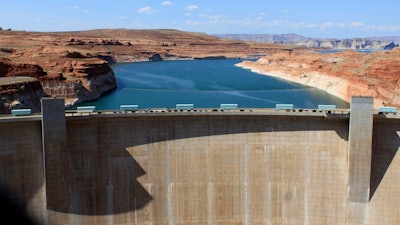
<point x="205" y="84"/>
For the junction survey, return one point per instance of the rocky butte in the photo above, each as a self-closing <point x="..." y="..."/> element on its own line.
<point x="343" y="74"/>
<point x="75" y="65"/>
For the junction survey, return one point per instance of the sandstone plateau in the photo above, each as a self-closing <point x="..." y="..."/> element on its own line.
<point x="75" y="65"/>
<point x="342" y="74"/>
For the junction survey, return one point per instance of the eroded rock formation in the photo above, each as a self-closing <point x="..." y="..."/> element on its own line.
<point x="74" y="65"/>
<point x="343" y="74"/>
<point x="86" y="80"/>
<point x="20" y="92"/>
<point x="10" y="69"/>
<point x="57" y="72"/>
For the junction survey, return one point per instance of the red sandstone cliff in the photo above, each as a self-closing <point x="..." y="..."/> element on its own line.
<point x="70" y="64"/>
<point x="84" y="81"/>
<point x="59" y="71"/>
<point x="73" y="65"/>
<point x="343" y="74"/>
<point x="20" y="92"/>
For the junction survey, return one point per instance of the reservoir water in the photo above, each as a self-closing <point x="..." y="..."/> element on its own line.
<point x="205" y="84"/>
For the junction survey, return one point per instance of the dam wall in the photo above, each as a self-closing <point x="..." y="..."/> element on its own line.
<point x="202" y="168"/>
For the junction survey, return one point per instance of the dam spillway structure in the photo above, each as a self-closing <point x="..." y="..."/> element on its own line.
<point x="198" y="166"/>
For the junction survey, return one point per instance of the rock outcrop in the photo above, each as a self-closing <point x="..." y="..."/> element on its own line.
<point x="88" y="80"/>
<point x="343" y="74"/>
<point x="20" y="92"/>
<point x="10" y="69"/>
<point x="57" y="72"/>
<point x="20" y="86"/>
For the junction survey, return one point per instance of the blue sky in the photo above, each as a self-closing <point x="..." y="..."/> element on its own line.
<point x="311" y="18"/>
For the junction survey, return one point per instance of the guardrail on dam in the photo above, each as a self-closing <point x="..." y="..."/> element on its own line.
<point x="204" y="166"/>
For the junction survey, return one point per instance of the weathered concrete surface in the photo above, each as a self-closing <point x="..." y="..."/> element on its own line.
<point x="207" y="169"/>
<point x="360" y="150"/>
<point x="54" y="136"/>
<point x="217" y="169"/>
<point x="360" y="143"/>
<point x="21" y="164"/>
<point x="385" y="172"/>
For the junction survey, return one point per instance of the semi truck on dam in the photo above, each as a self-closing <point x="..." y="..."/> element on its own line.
<point x="202" y="166"/>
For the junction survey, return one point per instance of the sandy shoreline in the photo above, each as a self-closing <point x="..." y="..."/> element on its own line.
<point x="343" y="74"/>
<point x="333" y="85"/>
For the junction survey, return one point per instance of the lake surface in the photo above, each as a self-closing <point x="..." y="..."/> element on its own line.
<point x="205" y="84"/>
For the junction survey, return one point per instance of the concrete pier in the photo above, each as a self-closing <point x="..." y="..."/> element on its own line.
<point x="55" y="153"/>
<point x="360" y="148"/>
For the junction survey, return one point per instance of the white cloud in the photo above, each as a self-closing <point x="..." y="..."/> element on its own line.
<point x="382" y="28"/>
<point x="123" y="17"/>
<point x="223" y="23"/>
<point x="79" y="9"/>
<point x="192" y="7"/>
<point x="166" y="3"/>
<point x="395" y="28"/>
<point x="146" y="10"/>
<point x="221" y="20"/>
<point x="356" y="24"/>
<point x="328" y="25"/>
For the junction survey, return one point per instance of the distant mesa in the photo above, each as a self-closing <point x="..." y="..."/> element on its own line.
<point x="378" y="43"/>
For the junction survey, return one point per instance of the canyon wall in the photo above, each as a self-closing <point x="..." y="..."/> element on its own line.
<point x="20" y="92"/>
<point x="77" y="80"/>
<point x="342" y="74"/>
<point x="74" y="65"/>
<point x="91" y="80"/>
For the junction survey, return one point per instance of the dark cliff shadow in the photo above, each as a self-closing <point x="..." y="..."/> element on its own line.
<point x="385" y="144"/>
<point x="13" y="209"/>
<point x="21" y="169"/>
<point x="102" y="179"/>
<point x="110" y="187"/>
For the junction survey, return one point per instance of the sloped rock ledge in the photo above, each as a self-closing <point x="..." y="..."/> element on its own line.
<point x="342" y="74"/>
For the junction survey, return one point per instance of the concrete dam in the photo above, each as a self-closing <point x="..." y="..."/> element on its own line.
<point x="204" y="167"/>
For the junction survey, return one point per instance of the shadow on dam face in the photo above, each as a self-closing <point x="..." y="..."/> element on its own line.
<point x="102" y="174"/>
<point x="385" y="145"/>
<point x="21" y="167"/>
<point x="102" y="181"/>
